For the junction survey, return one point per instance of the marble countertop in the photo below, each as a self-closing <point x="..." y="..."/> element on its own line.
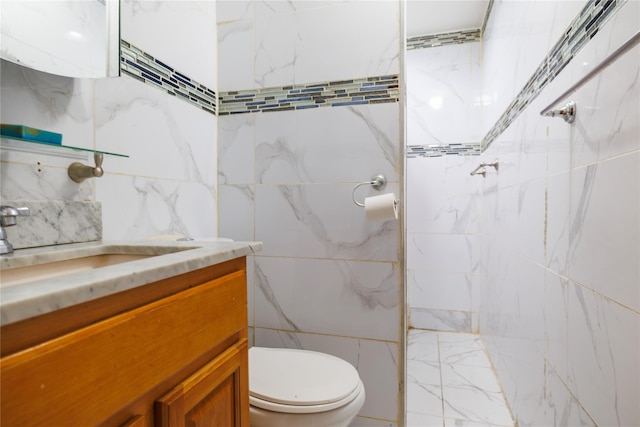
<point x="22" y="301"/>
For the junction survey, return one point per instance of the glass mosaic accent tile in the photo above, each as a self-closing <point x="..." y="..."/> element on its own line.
<point x="444" y="39"/>
<point x="368" y="90"/>
<point x="464" y="149"/>
<point x="486" y="17"/>
<point x="138" y="64"/>
<point x="582" y="29"/>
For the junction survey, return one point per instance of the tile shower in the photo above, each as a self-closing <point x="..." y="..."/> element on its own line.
<point x="547" y="247"/>
<point x="537" y="258"/>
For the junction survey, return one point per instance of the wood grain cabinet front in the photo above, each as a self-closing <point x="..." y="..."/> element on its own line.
<point x="212" y="397"/>
<point x="180" y="360"/>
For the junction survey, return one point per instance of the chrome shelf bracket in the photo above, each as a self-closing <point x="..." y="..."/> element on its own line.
<point x="78" y="172"/>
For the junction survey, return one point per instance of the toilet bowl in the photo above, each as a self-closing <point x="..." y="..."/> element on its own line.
<point x="294" y="388"/>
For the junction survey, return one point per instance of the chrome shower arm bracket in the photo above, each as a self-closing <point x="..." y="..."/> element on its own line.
<point x="378" y="182"/>
<point x="482" y="168"/>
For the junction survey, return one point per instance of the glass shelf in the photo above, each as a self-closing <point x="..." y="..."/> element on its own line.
<point x="49" y="144"/>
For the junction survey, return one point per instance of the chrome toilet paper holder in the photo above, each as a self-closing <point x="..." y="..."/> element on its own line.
<point x="379" y="182"/>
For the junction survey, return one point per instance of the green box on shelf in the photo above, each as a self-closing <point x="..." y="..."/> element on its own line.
<point x="30" y="134"/>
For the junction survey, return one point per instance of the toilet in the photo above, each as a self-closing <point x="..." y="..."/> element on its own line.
<point x="294" y="388"/>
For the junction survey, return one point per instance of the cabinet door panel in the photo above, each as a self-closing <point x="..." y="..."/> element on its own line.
<point x="137" y="421"/>
<point x="85" y="377"/>
<point x="215" y="396"/>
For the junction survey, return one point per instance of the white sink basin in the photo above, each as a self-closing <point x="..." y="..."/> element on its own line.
<point x="16" y="276"/>
<point x="24" y="266"/>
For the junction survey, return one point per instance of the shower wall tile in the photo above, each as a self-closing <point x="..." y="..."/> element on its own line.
<point x="327" y="145"/>
<point x="562" y="408"/>
<point x="441" y="195"/>
<point x="440" y="320"/>
<point x="517" y="37"/>
<point x="621" y="26"/>
<point x="604" y="349"/>
<point x="438" y="290"/>
<point x="445" y="99"/>
<point x="558" y="222"/>
<point x="556" y="314"/>
<point x="377" y="363"/>
<point x="559" y="295"/>
<point x="604" y="128"/>
<point x="321" y="221"/>
<point x="439" y="252"/>
<point x="192" y="23"/>
<point x="525" y="392"/>
<point x="605" y="201"/>
<point x="443" y="199"/>
<point x="346" y="298"/>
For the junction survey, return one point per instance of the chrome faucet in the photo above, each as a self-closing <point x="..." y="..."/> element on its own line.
<point x="8" y="216"/>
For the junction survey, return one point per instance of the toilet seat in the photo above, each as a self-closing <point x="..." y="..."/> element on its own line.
<point x="300" y="381"/>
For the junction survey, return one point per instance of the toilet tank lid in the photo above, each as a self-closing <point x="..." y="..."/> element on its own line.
<point x="299" y="377"/>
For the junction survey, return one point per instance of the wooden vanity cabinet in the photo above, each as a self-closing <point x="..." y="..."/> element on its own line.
<point x="172" y="353"/>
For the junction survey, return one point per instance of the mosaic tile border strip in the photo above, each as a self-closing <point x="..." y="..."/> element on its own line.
<point x="141" y="66"/>
<point x="444" y="39"/>
<point x="462" y="149"/>
<point x="581" y="30"/>
<point x="368" y="90"/>
<point x="138" y="64"/>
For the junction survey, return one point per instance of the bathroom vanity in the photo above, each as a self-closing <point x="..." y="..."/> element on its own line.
<point x="156" y="337"/>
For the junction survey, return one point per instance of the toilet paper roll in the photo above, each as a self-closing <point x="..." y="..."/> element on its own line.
<point x="381" y="208"/>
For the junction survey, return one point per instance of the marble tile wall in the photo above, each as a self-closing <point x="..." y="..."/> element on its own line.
<point x="444" y="105"/>
<point x="559" y="300"/>
<point x="168" y="183"/>
<point x="327" y="280"/>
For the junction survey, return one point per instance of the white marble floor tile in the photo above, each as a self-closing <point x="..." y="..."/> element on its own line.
<point x="456" y="422"/>
<point x="469" y="377"/>
<point x="422" y="420"/>
<point x="450" y="382"/>
<point x="476" y="405"/>
<point x="424" y="399"/>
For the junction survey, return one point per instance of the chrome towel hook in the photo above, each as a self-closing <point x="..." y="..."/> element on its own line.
<point x="379" y="182"/>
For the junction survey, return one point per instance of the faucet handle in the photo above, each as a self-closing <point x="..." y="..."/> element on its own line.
<point x="98" y="171"/>
<point x="8" y="214"/>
